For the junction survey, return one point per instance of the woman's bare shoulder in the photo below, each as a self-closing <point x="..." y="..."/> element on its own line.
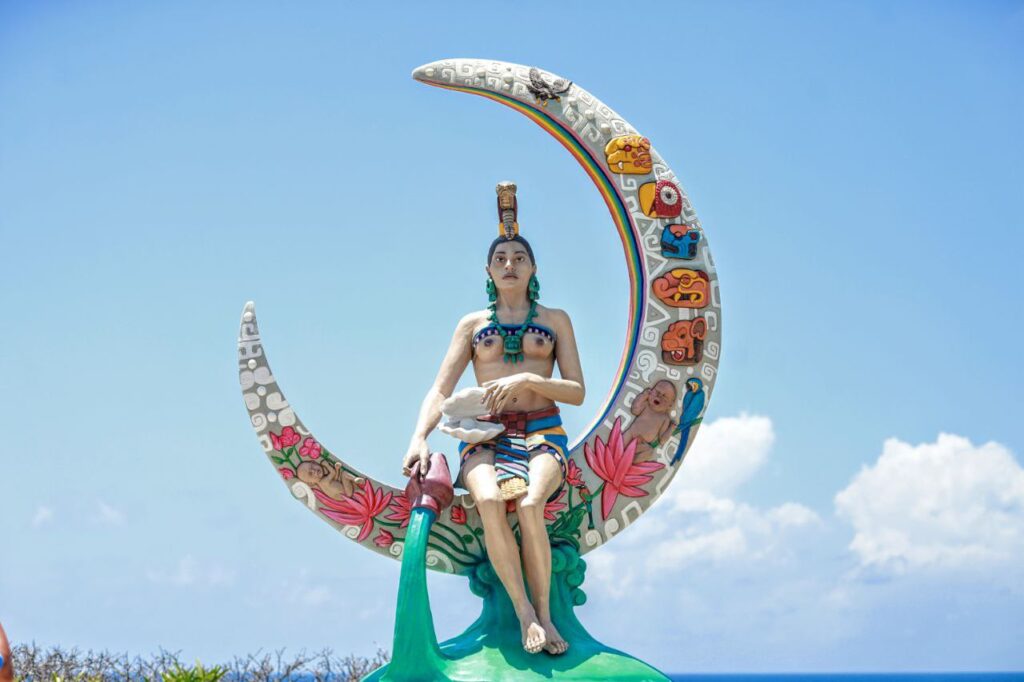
<point x="556" y="318"/>
<point x="471" y="321"/>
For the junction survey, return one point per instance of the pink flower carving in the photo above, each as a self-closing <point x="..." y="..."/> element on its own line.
<point x="287" y="438"/>
<point x="614" y="464"/>
<point x="554" y="506"/>
<point x="574" y="475"/>
<point x="358" y="510"/>
<point x="286" y="473"/>
<point x="401" y="508"/>
<point x="384" y="539"/>
<point x="310" y="448"/>
<point x="458" y="514"/>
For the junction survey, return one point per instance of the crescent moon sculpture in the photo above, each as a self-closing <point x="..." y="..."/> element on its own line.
<point x="665" y="376"/>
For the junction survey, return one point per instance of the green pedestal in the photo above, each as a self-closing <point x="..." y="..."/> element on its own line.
<point x="490" y="650"/>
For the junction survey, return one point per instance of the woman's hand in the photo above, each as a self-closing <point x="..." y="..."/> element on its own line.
<point x="504" y="392"/>
<point x="417" y="459"/>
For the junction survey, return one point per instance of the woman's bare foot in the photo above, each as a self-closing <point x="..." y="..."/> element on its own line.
<point x="533" y="634"/>
<point x="555" y="643"/>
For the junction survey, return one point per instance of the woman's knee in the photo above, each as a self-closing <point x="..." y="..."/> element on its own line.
<point x="531" y="509"/>
<point x="489" y="504"/>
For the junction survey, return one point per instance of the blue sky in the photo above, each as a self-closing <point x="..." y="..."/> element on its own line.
<point x="856" y="166"/>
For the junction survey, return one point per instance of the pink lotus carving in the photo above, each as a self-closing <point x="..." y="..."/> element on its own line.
<point x="286" y="473"/>
<point x="384" y="539"/>
<point x="574" y="475"/>
<point x="554" y="506"/>
<point x="357" y="510"/>
<point x="400" y="509"/>
<point x="614" y="464"/>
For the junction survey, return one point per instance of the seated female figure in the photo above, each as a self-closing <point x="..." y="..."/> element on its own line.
<point x="520" y="392"/>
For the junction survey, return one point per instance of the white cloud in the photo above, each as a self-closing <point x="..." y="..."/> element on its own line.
<point x="42" y="516"/>
<point x="711" y="529"/>
<point x="947" y="504"/>
<point x="725" y="454"/>
<point x="305" y="592"/>
<point x="696" y="522"/>
<point x="735" y="581"/>
<point x="191" y="572"/>
<point x="108" y="515"/>
<point x="315" y="595"/>
<point x="792" y="515"/>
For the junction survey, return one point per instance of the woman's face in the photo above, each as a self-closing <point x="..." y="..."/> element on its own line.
<point x="510" y="266"/>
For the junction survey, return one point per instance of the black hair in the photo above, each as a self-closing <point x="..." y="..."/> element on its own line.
<point x="501" y="240"/>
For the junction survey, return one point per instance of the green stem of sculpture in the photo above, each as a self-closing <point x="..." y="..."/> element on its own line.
<point x="416" y="655"/>
<point x="491" y="650"/>
<point x="463" y="550"/>
<point x="477" y="532"/>
<point x="441" y="550"/>
<point x="453" y="546"/>
<point x="474" y="534"/>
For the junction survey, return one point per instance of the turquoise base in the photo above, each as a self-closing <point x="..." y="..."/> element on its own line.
<point x="490" y="650"/>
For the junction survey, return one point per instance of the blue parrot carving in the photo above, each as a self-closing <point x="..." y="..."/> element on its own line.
<point x="693" y="405"/>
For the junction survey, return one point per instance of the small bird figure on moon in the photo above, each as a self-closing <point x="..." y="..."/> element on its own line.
<point x="544" y="92"/>
<point x="693" y="405"/>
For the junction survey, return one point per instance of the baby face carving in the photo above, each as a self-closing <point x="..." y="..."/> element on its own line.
<point x="331" y="479"/>
<point x="310" y="473"/>
<point x="662" y="396"/>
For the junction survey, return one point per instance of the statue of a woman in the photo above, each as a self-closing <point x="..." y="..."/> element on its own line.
<point x="513" y="345"/>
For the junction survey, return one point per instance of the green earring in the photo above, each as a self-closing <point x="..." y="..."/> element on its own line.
<point x="492" y="291"/>
<point x="533" y="289"/>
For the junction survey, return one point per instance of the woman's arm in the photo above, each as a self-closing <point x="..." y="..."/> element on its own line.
<point x="559" y="390"/>
<point x="569" y="388"/>
<point x="452" y="367"/>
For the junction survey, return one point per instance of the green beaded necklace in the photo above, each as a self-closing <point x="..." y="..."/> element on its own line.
<point x="513" y="341"/>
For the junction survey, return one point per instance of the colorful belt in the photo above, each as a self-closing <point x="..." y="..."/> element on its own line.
<point x="515" y="422"/>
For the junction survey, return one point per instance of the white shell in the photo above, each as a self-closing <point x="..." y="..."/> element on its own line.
<point x="469" y="402"/>
<point x="470" y="430"/>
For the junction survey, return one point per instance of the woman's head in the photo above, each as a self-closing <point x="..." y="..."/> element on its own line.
<point x="510" y="262"/>
<point x="502" y="240"/>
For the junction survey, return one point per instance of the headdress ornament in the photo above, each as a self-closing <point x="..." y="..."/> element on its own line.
<point x="508" y="209"/>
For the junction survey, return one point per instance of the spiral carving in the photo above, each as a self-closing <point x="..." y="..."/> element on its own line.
<point x="303" y="492"/>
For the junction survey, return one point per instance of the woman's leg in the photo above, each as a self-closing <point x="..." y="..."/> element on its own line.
<point x="482" y="483"/>
<point x="545" y="477"/>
